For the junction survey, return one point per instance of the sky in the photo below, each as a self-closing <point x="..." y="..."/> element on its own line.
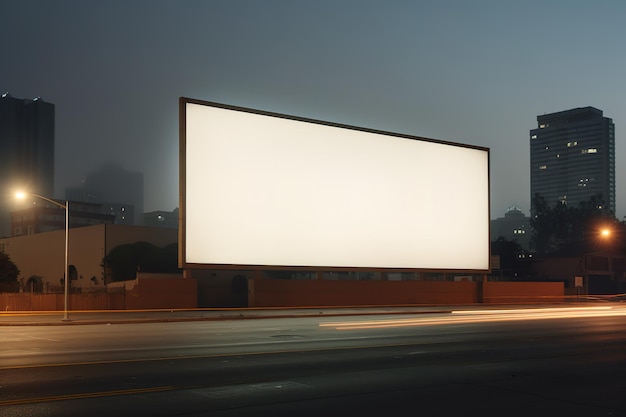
<point x="473" y="72"/>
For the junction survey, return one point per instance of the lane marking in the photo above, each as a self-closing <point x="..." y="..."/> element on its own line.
<point x="23" y="401"/>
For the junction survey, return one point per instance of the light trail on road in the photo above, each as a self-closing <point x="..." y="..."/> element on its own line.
<point x="478" y="316"/>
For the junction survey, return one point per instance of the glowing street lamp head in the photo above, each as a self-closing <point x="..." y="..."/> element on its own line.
<point x="605" y="233"/>
<point x="20" y="195"/>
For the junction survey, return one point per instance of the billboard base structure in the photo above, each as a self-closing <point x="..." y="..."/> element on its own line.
<point x="258" y="289"/>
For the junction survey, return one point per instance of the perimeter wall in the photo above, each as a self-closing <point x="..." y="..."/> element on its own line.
<point x="175" y="292"/>
<point x="147" y="291"/>
<point x="299" y="293"/>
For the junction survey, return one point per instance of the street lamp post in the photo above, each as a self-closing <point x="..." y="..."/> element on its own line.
<point x="66" y="207"/>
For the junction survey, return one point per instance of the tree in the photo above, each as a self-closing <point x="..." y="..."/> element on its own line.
<point x="566" y="230"/>
<point x="513" y="260"/>
<point x="123" y="262"/>
<point x="8" y="270"/>
<point x="541" y="224"/>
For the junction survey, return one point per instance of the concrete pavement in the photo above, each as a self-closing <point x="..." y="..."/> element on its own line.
<point x="51" y="318"/>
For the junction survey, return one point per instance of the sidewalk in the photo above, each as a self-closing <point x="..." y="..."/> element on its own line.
<point x="52" y="318"/>
<point x="56" y="318"/>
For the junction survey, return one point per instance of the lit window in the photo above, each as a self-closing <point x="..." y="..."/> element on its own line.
<point x="543" y="167"/>
<point x="592" y="150"/>
<point x="573" y="143"/>
<point x="533" y="137"/>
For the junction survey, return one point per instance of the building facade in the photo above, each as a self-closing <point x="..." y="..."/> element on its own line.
<point x="121" y="212"/>
<point x="26" y="151"/>
<point x="116" y="187"/>
<point x="42" y="216"/>
<point x="40" y="256"/>
<point x="572" y="157"/>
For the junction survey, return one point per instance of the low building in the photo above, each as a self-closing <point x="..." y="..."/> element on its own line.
<point x="161" y="218"/>
<point x="514" y="226"/>
<point x="593" y="273"/>
<point x="40" y="257"/>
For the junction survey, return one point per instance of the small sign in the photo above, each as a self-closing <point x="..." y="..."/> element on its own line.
<point x="578" y="281"/>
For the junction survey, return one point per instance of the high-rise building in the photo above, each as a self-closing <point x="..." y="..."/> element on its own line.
<point x="26" y="151"/>
<point x="572" y="157"/>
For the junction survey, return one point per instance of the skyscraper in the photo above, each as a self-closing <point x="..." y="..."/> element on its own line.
<point x="572" y="157"/>
<point x="26" y="151"/>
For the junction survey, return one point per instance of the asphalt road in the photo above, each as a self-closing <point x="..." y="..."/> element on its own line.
<point x="564" y="361"/>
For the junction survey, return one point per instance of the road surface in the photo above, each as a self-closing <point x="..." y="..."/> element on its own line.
<point x="514" y="362"/>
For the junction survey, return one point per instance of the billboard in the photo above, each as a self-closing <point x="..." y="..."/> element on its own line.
<point x="267" y="190"/>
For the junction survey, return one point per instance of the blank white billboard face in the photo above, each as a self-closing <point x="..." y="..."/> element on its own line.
<point x="271" y="190"/>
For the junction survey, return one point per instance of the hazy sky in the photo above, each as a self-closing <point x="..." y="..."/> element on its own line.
<point x="476" y="72"/>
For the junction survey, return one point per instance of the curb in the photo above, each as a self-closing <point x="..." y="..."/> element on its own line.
<point x="217" y="318"/>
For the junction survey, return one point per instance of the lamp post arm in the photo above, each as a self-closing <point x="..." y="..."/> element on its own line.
<point x="49" y="200"/>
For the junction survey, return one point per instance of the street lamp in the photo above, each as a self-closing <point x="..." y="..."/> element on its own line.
<point x="66" y="207"/>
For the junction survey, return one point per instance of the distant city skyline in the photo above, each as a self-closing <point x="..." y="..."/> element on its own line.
<point x="469" y="72"/>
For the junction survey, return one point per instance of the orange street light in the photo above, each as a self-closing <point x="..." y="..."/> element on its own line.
<point x="21" y="195"/>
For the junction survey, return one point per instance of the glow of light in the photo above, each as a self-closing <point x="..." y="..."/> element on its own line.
<point x="533" y="310"/>
<point x="481" y="316"/>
